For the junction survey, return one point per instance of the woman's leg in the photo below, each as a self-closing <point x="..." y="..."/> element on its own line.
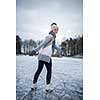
<point x="49" y="71"/>
<point x="40" y="67"/>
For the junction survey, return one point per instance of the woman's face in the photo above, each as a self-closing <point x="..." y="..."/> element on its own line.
<point x="55" y="31"/>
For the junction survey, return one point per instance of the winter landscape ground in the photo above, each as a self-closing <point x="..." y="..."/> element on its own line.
<point x="67" y="79"/>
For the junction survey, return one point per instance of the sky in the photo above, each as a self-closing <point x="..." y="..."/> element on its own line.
<point x="33" y="18"/>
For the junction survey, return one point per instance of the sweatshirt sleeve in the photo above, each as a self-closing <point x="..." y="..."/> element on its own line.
<point x="45" y="42"/>
<point x="57" y="48"/>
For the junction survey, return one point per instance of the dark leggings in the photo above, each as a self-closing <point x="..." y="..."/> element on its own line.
<point x="40" y="67"/>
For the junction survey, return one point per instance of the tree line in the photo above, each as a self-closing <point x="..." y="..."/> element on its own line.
<point x="26" y="46"/>
<point x="72" y="47"/>
<point x="69" y="47"/>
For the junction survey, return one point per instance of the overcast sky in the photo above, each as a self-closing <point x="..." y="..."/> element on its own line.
<point x="33" y="18"/>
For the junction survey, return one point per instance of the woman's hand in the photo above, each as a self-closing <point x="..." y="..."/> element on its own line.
<point x="33" y="52"/>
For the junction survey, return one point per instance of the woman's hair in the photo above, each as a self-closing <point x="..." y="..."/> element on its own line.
<point x="53" y="24"/>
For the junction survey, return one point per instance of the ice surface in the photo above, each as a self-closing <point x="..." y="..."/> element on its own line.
<point x="67" y="79"/>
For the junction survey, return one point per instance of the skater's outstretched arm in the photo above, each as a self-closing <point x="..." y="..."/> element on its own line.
<point x="47" y="40"/>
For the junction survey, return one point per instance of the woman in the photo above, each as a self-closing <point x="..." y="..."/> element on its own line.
<point x="44" y="57"/>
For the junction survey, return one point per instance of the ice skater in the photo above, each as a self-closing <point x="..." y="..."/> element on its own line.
<point x="46" y="49"/>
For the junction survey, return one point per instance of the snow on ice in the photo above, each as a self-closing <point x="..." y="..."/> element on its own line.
<point x="67" y="79"/>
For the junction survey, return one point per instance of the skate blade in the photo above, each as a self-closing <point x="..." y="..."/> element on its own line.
<point x="33" y="89"/>
<point x="49" y="91"/>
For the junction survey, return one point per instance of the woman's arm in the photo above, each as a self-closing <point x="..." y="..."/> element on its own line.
<point x="58" y="49"/>
<point x="44" y="43"/>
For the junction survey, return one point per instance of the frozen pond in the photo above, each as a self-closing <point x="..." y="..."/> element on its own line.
<point x="67" y="79"/>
